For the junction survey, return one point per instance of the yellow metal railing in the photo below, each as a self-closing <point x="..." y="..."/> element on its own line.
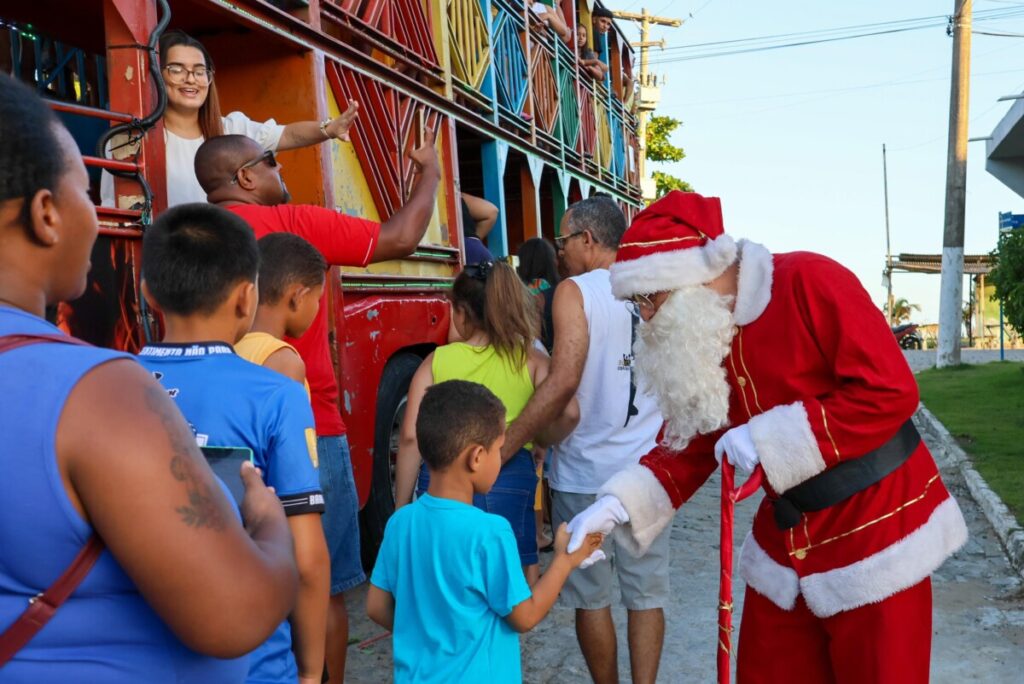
<point x="469" y="42"/>
<point x="604" y="134"/>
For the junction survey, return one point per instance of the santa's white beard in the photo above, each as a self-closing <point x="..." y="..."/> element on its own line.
<point x="679" y="355"/>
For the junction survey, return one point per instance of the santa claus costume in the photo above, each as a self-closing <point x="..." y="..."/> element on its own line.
<point x="801" y="373"/>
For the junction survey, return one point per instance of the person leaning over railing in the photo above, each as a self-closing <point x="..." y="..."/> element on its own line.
<point x="94" y="446"/>
<point x="589" y="61"/>
<point x="193" y="115"/>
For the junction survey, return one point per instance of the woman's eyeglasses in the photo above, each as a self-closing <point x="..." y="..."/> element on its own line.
<point x="178" y="73"/>
<point x="267" y="156"/>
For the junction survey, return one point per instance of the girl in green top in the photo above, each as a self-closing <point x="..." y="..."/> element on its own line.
<point x="498" y="323"/>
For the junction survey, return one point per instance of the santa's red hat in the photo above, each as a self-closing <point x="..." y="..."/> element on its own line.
<point x="676" y="242"/>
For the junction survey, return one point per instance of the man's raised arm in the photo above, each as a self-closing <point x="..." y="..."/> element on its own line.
<point x="400" y="235"/>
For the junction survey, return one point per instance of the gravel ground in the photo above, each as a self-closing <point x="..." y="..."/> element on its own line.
<point x="978" y="615"/>
<point x="920" y="360"/>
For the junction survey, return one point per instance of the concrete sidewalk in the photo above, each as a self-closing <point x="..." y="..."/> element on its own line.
<point x="978" y="615"/>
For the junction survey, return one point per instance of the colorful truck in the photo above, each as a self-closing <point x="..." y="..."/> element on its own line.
<point x="517" y="122"/>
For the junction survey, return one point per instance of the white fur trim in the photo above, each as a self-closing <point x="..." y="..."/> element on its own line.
<point x="891" y="570"/>
<point x="646" y="502"/>
<point x="775" y="582"/>
<point x="786" y="446"/>
<point x="755" y="282"/>
<point x="667" y="271"/>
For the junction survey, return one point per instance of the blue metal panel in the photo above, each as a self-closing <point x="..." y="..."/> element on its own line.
<point x="494" y="154"/>
<point x="488" y="86"/>
<point x="510" y="65"/>
<point x="618" y="146"/>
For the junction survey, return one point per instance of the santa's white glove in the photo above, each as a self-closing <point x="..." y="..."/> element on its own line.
<point x="739" y="449"/>
<point x="601" y="516"/>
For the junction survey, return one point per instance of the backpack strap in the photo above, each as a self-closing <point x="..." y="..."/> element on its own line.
<point x="43" y="606"/>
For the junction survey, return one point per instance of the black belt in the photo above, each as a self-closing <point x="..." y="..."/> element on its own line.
<point x="842" y="481"/>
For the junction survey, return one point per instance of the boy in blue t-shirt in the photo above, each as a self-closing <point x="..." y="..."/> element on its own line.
<point x="448" y="580"/>
<point x="199" y="265"/>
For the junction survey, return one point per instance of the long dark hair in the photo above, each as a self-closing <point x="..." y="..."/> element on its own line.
<point x="537" y="260"/>
<point x="494" y="300"/>
<point x="210" y="121"/>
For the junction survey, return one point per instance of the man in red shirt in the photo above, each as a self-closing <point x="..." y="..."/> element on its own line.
<point x="242" y="177"/>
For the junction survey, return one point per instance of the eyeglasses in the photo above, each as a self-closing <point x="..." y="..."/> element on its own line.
<point x="267" y="156"/>
<point x="178" y="73"/>
<point x="561" y="240"/>
<point x="638" y="303"/>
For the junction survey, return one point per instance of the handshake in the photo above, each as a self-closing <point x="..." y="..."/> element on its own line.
<point x="605" y="514"/>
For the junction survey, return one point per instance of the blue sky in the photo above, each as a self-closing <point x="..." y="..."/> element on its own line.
<point x="791" y="139"/>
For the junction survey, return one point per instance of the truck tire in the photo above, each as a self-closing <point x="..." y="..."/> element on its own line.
<point x="391" y="395"/>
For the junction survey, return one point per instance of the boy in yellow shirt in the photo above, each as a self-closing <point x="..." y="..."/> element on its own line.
<point x="292" y="277"/>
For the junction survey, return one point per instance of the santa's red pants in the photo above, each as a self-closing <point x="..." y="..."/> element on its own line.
<point x="880" y="643"/>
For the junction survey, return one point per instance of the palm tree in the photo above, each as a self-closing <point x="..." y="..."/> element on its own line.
<point x="901" y="310"/>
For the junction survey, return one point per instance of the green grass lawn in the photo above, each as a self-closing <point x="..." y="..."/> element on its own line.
<point x="983" y="408"/>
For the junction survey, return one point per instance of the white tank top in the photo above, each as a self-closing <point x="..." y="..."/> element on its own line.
<point x="613" y="431"/>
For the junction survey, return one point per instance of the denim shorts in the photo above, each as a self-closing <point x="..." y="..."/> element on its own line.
<point x="341" y="512"/>
<point x="511" y="497"/>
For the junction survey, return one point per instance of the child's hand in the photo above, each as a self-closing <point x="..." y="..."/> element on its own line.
<point x="591" y="543"/>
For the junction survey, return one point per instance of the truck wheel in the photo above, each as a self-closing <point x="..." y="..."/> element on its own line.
<point x="391" y="396"/>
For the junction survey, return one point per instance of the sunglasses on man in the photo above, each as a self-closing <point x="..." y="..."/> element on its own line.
<point x="267" y="157"/>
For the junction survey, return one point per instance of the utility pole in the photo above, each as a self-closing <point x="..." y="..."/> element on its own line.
<point x="888" y="247"/>
<point x="951" y="290"/>
<point x="649" y="93"/>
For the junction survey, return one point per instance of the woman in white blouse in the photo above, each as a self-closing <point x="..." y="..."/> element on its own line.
<point x="193" y="115"/>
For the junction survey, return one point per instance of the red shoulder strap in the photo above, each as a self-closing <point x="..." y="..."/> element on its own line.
<point x="9" y="342"/>
<point x="43" y="606"/>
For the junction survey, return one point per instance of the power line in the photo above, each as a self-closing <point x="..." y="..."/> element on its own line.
<point x="802" y="34"/>
<point x="766" y="48"/>
<point x="935" y="19"/>
<point x="761" y="43"/>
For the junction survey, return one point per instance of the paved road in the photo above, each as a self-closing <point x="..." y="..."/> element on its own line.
<point x="919" y="360"/>
<point x="978" y="617"/>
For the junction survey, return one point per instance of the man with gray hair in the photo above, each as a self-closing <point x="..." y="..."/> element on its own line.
<point x="619" y="423"/>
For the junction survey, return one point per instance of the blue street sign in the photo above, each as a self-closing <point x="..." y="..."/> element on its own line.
<point x="1007" y="221"/>
<point x="1010" y="221"/>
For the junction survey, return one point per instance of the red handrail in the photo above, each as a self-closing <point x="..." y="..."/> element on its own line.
<point x="111" y="164"/>
<point x="89" y="111"/>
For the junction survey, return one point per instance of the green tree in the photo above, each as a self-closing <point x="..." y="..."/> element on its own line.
<point x="902" y="310"/>
<point x="1008" y="276"/>
<point x="660" y="149"/>
<point x="666" y="183"/>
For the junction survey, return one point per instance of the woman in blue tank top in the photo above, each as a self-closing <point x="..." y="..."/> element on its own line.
<point x="92" y="445"/>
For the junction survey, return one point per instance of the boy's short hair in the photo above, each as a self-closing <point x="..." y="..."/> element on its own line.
<point x="285" y="259"/>
<point x="193" y="255"/>
<point x="454" y="415"/>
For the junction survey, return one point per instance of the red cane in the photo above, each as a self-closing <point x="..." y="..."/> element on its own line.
<point x="730" y="496"/>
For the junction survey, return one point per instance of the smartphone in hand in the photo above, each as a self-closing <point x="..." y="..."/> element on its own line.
<point x="226" y="463"/>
